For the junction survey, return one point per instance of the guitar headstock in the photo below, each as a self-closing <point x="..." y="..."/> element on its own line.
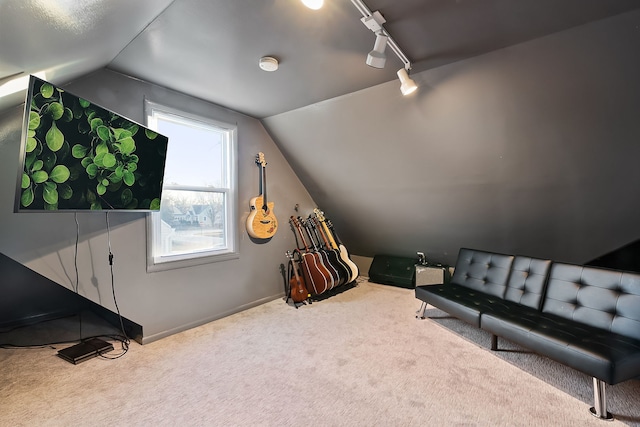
<point x="319" y="214"/>
<point x="289" y="255"/>
<point x="308" y="222"/>
<point x="296" y="223"/>
<point x="260" y="159"/>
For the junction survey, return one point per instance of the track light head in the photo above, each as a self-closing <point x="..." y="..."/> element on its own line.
<point x="407" y="86"/>
<point x="376" y="58"/>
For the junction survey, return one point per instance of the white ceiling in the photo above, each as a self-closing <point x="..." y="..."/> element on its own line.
<point x="210" y="48"/>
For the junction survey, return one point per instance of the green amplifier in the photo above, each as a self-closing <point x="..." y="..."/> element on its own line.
<point x="393" y="270"/>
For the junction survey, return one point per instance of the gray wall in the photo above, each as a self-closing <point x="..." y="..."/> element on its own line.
<point x="162" y="302"/>
<point x="531" y="149"/>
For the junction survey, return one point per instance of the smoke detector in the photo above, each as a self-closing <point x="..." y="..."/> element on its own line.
<point x="268" y="63"/>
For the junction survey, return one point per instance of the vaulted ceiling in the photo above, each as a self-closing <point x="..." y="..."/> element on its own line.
<point x="471" y="160"/>
<point x="210" y="48"/>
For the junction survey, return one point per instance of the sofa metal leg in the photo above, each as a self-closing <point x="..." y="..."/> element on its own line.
<point x="421" y="310"/>
<point x="494" y="342"/>
<point x="599" y="409"/>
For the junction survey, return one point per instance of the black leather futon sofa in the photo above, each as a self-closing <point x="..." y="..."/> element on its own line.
<point x="587" y="318"/>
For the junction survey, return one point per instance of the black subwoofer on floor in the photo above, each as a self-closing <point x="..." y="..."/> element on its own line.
<point x="393" y="270"/>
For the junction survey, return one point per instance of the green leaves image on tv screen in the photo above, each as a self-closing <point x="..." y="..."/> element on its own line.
<point x="79" y="156"/>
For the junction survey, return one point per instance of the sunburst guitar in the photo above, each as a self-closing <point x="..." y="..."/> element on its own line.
<point x="261" y="222"/>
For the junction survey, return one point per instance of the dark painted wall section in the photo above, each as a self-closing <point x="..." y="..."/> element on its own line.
<point x="531" y="149"/>
<point x="30" y="298"/>
<point x="33" y="298"/>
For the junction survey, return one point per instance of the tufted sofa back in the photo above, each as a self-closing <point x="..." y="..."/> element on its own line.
<point x="482" y="271"/>
<point x="527" y="280"/>
<point x="605" y="299"/>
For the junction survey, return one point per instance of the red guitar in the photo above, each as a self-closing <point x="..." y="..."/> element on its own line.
<point x="297" y="289"/>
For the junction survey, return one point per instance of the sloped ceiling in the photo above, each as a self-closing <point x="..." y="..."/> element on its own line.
<point x="210" y="48"/>
<point x="396" y="192"/>
<point x="64" y="39"/>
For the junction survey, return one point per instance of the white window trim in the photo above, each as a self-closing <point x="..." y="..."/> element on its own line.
<point x="232" y="230"/>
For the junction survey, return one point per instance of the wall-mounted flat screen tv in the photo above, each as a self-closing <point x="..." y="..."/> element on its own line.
<point x="77" y="156"/>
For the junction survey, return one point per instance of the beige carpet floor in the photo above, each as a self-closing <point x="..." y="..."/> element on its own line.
<point x="360" y="358"/>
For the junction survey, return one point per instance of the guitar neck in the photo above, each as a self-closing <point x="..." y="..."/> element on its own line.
<point x="333" y="233"/>
<point x="320" y="231"/>
<point x="295" y="270"/>
<point x="307" y="229"/>
<point x="320" y="219"/>
<point x="294" y="222"/>
<point x="263" y="185"/>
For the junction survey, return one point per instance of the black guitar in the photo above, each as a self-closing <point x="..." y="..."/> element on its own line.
<point x="333" y="254"/>
<point x="344" y="254"/>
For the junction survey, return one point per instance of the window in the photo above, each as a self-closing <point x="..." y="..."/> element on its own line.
<point x="196" y="222"/>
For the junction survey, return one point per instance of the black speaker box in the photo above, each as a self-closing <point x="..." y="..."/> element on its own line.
<point x="393" y="270"/>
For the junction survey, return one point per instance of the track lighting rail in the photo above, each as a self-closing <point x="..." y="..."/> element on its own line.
<point x="367" y="15"/>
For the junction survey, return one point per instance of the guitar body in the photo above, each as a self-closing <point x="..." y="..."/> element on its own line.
<point x="315" y="274"/>
<point x="344" y="268"/>
<point x="334" y="277"/>
<point x="341" y="269"/>
<point x="344" y="256"/>
<point x="297" y="289"/>
<point x="261" y="223"/>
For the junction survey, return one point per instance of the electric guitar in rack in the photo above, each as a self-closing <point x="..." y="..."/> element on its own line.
<point x="261" y="222"/>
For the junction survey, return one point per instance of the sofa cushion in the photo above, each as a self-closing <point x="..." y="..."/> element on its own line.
<point x="608" y="356"/>
<point x="459" y="301"/>
<point x="481" y="271"/>
<point x="597" y="297"/>
<point x="527" y="280"/>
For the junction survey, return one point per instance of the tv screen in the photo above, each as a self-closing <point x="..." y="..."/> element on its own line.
<point x="78" y="156"/>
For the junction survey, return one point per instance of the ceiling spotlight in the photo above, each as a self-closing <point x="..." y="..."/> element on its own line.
<point x="313" y="4"/>
<point x="268" y="63"/>
<point x="407" y="85"/>
<point x="376" y="57"/>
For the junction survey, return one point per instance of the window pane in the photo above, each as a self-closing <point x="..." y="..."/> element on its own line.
<point x="196" y="223"/>
<point x="192" y="221"/>
<point x="195" y="154"/>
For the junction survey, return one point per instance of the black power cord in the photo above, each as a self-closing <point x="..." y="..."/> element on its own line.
<point x="123" y="339"/>
<point x="76" y="286"/>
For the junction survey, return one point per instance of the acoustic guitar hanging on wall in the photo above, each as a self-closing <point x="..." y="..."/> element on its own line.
<point x="261" y="222"/>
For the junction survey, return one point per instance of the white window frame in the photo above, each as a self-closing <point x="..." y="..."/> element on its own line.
<point x="159" y="263"/>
